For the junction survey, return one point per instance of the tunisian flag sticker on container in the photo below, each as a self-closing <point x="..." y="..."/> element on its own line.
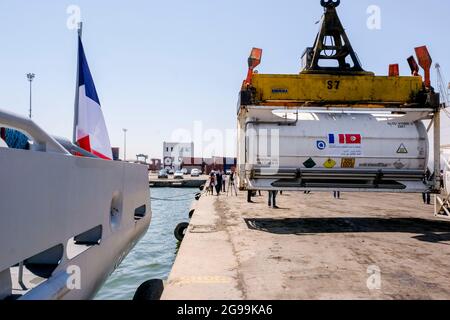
<point x="350" y="139"/>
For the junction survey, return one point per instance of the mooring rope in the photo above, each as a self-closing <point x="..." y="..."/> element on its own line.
<point x="171" y="199"/>
<point x="180" y="195"/>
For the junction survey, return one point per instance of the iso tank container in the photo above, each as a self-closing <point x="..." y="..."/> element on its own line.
<point x="339" y="141"/>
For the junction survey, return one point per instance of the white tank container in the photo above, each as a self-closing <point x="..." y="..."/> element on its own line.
<point x="340" y="141"/>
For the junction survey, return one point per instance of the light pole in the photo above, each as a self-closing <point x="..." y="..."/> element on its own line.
<point x="125" y="144"/>
<point x="30" y="77"/>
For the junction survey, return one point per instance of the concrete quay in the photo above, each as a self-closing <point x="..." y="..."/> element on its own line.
<point x="364" y="246"/>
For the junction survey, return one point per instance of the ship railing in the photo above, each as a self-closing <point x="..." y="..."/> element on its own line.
<point x="41" y="140"/>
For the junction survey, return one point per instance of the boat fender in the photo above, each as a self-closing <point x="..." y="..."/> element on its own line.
<point x="180" y="230"/>
<point x="202" y="187"/>
<point x="191" y="213"/>
<point x="150" y="290"/>
<point x="198" y="196"/>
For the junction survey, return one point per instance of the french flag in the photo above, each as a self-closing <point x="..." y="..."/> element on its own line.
<point x="91" y="132"/>
<point x="345" y="138"/>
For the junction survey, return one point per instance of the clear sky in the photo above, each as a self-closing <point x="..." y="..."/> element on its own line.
<point x="160" y="66"/>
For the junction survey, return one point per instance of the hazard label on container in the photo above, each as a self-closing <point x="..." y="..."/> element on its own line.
<point x="309" y="164"/>
<point x="329" y="164"/>
<point x="348" y="163"/>
<point x="402" y="149"/>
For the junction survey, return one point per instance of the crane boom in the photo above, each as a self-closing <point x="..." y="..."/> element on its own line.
<point x="441" y="85"/>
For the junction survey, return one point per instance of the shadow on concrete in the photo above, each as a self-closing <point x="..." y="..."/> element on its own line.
<point x="425" y="230"/>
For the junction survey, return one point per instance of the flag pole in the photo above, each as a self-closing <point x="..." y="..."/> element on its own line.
<point x="77" y="87"/>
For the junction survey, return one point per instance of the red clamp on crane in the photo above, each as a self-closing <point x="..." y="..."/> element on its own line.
<point x="394" y="70"/>
<point x="413" y="66"/>
<point x="253" y="61"/>
<point x="425" y="62"/>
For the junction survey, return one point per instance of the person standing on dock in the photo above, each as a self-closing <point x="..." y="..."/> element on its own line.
<point x="219" y="181"/>
<point x="426" y="197"/>
<point x="212" y="182"/>
<point x="273" y="199"/>
<point x="337" y="194"/>
<point x="224" y="182"/>
<point x="231" y="183"/>
<point x="249" y="196"/>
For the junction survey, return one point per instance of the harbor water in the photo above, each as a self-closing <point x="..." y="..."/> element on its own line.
<point x="154" y="255"/>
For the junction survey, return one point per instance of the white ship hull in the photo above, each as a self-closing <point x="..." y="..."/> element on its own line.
<point x="66" y="222"/>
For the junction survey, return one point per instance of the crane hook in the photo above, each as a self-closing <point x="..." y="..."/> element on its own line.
<point x="330" y="3"/>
